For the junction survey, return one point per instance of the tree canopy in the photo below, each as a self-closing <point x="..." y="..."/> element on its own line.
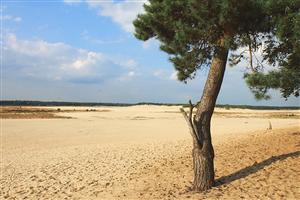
<point x="190" y="32"/>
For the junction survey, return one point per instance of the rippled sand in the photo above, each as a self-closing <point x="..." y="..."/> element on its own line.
<point x="144" y="152"/>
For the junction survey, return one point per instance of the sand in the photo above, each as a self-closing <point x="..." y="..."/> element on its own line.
<point x="144" y="152"/>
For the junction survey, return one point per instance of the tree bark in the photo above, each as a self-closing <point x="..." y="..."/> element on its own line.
<point x="203" y="152"/>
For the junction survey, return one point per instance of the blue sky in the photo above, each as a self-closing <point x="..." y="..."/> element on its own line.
<point x="85" y="51"/>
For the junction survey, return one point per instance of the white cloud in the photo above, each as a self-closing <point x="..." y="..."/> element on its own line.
<point x="3" y="8"/>
<point x="11" y="18"/>
<point x="159" y="73"/>
<point x="86" y="36"/>
<point x="146" y="44"/>
<point x="91" y="58"/>
<point x="36" y="48"/>
<point x="123" y="13"/>
<point x="173" y="76"/>
<point x="131" y="73"/>
<point x="150" y="43"/>
<point x="165" y="74"/>
<point x="129" y="64"/>
<point x="72" y="2"/>
<point x="18" y="19"/>
<point x="58" y="61"/>
<point x="128" y="76"/>
<point x="43" y="27"/>
<point x="37" y="69"/>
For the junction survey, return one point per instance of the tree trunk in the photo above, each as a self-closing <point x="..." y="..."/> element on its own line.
<point x="203" y="152"/>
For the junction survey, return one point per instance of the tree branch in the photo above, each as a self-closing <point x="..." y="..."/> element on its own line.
<point x="191" y="110"/>
<point x="189" y="120"/>
<point x="250" y="54"/>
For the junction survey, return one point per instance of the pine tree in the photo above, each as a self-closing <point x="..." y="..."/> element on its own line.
<point x="202" y="33"/>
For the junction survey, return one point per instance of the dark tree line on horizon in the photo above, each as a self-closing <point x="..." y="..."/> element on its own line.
<point x="65" y="103"/>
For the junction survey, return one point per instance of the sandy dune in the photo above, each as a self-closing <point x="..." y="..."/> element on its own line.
<point x="144" y="152"/>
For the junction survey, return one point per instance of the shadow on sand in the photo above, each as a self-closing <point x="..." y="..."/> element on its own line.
<point x="253" y="168"/>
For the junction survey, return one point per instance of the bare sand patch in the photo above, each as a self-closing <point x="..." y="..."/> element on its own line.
<point x="144" y="152"/>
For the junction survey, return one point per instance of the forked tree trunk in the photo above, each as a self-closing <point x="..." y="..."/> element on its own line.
<point x="199" y="124"/>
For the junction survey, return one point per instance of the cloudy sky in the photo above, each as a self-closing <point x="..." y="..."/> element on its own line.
<point x="85" y="51"/>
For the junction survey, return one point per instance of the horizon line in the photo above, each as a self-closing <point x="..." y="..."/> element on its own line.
<point x="81" y="103"/>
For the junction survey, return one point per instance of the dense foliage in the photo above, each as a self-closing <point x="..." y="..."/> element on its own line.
<point x="190" y="32"/>
<point x="282" y="50"/>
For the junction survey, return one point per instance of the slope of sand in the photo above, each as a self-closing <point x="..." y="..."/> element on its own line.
<point x="144" y="152"/>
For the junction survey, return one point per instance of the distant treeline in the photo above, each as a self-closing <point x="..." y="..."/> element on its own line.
<point x="227" y="106"/>
<point x="60" y="103"/>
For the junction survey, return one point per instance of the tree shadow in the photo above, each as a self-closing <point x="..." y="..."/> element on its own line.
<point x="253" y="168"/>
